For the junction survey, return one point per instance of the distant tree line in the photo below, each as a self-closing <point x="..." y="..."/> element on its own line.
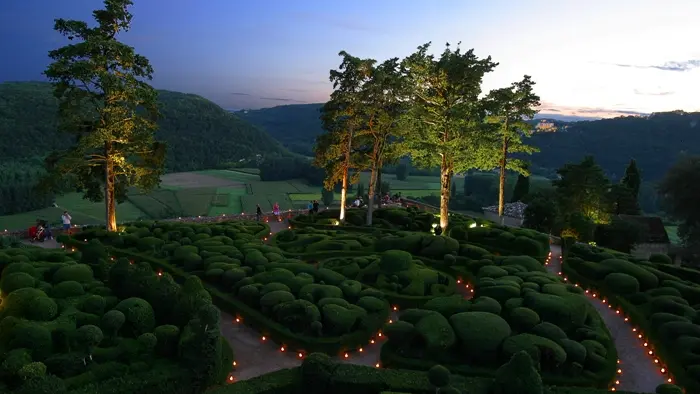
<point x="18" y="189"/>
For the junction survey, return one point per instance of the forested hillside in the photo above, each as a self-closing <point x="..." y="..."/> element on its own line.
<point x="655" y="142"/>
<point x="199" y="133"/>
<point x="295" y="126"/>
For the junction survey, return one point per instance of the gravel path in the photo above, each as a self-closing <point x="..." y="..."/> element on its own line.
<point x="639" y="372"/>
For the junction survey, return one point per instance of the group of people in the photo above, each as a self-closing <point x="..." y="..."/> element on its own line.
<point x="41" y="230"/>
<point x="259" y="211"/>
<point x="386" y="199"/>
<point x="313" y="206"/>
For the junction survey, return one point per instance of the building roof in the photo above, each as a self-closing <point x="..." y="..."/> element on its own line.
<point x="654" y="226"/>
<point x="513" y="209"/>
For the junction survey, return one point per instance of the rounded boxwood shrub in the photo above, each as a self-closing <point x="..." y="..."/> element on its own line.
<point x="499" y="293"/>
<point x="16" y="280"/>
<point x="139" y="315"/>
<point x="400" y="332"/>
<point x="513" y="303"/>
<point x="250" y="294"/>
<point x="518" y="376"/>
<point x="112" y="321"/>
<point x="526" y="246"/>
<point x="575" y="352"/>
<point x="34" y="337"/>
<point x="523" y="319"/>
<point x="670" y="304"/>
<point x="42" y="309"/>
<point x="299" y="316"/>
<point x="664" y="291"/>
<point x="486" y="304"/>
<point x="273" y="298"/>
<point x="660" y="318"/>
<point x="167" y="337"/>
<point x="549" y="331"/>
<point x="68" y="288"/>
<point x="439" y="376"/>
<point x="622" y="283"/>
<point x="436" y="332"/>
<point x="542" y="350"/>
<point x="646" y="279"/>
<point x="448" y="306"/>
<point x="491" y="271"/>
<point x="372" y="304"/>
<point x="94" y="304"/>
<point x="480" y="333"/>
<point x="14" y="360"/>
<point x="338" y="320"/>
<point x="232" y="276"/>
<point x="395" y="261"/>
<point x="76" y="272"/>
<point x="660" y="258"/>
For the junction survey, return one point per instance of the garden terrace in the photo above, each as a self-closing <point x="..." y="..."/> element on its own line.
<point x="660" y="300"/>
<point x="73" y="323"/>
<point x="410" y="219"/>
<point x="318" y="375"/>
<point x="298" y="305"/>
<point x="518" y="306"/>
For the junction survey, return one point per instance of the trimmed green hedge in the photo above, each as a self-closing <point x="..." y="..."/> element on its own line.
<point x="253" y="317"/>
<point x="663" y="306"/>
<point x="356" y="379"/>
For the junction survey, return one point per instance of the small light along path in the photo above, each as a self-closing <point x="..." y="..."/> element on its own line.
<point x="639" y="369"/>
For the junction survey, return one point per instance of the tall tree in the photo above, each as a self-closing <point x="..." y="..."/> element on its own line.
<point x="633" y="180"/>
<point x="444" y="124"/>
<point x="341" y="117"/>
<point x="509" y="109"/>
<point x="622" y="201"/>
<point x="680" y="190"/>
<point x="521" y="189"/>
<point x="383" y="104"/>
<point x="582" y="189"/>
<point x="107" y="104"/>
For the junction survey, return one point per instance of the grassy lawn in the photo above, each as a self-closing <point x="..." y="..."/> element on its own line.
<point x="672" y="232"/>
<point x="238" y="176"/>
<point x="234" y="201"/>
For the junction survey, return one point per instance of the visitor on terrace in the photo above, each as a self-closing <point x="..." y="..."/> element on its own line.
<point x="315" y="206"/>
<point x="276" y="209"/>
<point x="310" y="207"/>
<point x="65" y="219"/>
<point x="258" y="212"/>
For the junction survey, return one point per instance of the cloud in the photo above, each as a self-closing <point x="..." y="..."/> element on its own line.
<point x="657" y="93"/>
<point x="588" y="112"/>
<point x="287" y="100"/>
<point x="681" y="66"/>
<point x="240" y="94"/>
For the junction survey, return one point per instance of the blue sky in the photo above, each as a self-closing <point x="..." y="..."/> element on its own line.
<point x="595" y="57"/>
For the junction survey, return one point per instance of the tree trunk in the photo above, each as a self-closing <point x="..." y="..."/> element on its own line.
<point x="370" y="203"/>
<point x="379" y="186"/>
<point x="445" y="185"/>
<point x="110" y="201"/>
<point x="346" y="168"/>
<point x="502" y="180"/>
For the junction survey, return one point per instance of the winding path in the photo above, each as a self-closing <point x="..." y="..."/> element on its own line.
<point x="639" y="371"/>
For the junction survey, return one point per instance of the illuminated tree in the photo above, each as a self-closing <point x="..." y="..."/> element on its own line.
<point x="509" y="108"/>
<point x="106" y="103"/>
<point x="444" y="124"/>
<point x="342" y="117"/>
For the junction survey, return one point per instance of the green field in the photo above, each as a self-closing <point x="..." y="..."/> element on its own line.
<point x="672" y="232"/>
<point x="219" y="192"/>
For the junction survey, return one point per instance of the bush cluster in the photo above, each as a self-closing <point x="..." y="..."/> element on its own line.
<point x="664" y="300"/>
<point x="64" y="328"/>
<point x="515" y="309"/>
<point x="408" y="219"/>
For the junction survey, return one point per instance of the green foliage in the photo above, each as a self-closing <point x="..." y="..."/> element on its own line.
<point x="439" y="376"/>
<point x="678" y="189"/>
<point x="582" y="188"/>
<point x="327" y="197"/>
<point x="518" y="376"/>
<point x="118" y="140"/>
<point x="521" y="189"/>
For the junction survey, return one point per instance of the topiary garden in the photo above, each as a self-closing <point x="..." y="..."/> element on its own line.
<point x="517" y="306"/>
<point x="662" y="301"/>
<point x="67" y="327"/>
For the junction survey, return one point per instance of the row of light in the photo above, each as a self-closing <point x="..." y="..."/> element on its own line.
<point x="300" y="355"/>
<point x="618" y="311"/>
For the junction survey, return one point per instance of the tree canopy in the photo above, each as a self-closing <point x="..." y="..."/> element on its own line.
<point x="680" y="190"/>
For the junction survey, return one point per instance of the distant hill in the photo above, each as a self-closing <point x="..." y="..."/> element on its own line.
<point x="654" y="141"/>
<point x="199" y="133"/>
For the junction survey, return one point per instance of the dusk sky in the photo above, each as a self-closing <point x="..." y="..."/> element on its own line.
<point x="595" y="57"/>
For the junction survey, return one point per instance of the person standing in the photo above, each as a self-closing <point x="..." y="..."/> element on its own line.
<point x="310" y="207"/>
<point x="66" y="218"/>
<point x="276" y="209"/>
<point x="315" y="206"/>
<point x="258" y="212"/>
